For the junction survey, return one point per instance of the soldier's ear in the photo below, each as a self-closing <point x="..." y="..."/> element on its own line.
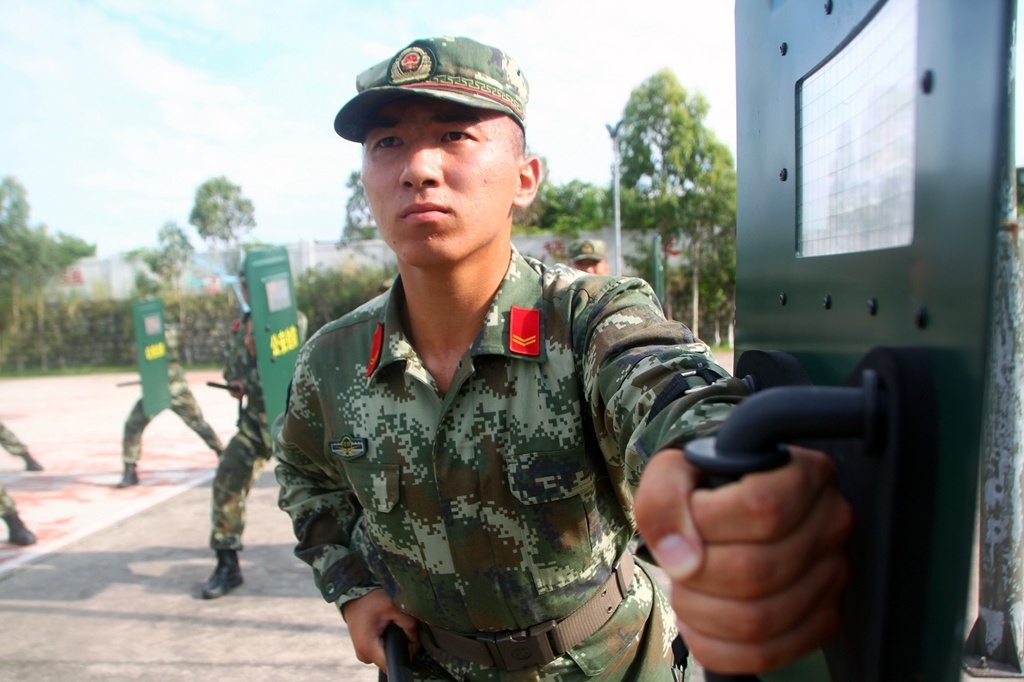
<point x="529" y="181"/>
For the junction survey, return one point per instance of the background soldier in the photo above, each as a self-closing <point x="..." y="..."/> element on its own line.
<point x="183" y="404"/>
<point x="589" y="255"/>
<point x="242" y="460"/>
<point x="18" y="534"/>
<point x="14" y="446"/>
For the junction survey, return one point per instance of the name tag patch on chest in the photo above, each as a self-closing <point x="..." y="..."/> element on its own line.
<point x="349" y="447"/>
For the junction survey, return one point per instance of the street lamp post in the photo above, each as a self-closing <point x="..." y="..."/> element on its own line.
<point x="614" y="132"/>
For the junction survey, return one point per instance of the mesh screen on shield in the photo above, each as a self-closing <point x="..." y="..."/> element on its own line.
<point x="856" y="140"/>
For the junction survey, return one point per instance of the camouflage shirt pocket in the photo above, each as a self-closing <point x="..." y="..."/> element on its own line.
<point x="542" y="477"/>
<point x="376" y="484"/>
<point x="556" y="514"/>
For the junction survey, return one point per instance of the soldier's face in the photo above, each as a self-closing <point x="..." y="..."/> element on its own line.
<point x="441" y="180"/>
<point x="594" y="267"/>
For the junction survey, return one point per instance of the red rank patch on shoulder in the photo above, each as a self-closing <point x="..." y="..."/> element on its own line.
<point x="375" y="348"/>
<point x="524" y="331"/>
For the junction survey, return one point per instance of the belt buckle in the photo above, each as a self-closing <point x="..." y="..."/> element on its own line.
<point x="521" y="649"/>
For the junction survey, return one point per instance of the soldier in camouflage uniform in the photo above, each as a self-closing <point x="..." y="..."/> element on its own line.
<point x="241" y="462"/>
<point x="460" y="456"/>
<point x="18" y="534"/>
<point x="183" y="404"/>
<point x="589" y="255"/>
<point x="14" y="446"/>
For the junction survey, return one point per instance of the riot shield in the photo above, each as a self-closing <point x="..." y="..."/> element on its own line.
<point x="870" y="162"/>
<point x="275" y="328"/>
<point x="151" y="355"/>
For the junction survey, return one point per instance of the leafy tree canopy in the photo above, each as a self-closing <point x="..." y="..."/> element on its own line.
<point x="675" y="173"/>
<point x="171" y="255"/>
<point x="359" y="222"/>
<point x="220" y="212"/>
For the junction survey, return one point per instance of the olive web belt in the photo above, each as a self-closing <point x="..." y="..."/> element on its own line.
<point x="542" y="643"/>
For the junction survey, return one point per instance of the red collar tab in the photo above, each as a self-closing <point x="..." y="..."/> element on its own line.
<point x="524" y="331"/>
<point x="375" y="348"/>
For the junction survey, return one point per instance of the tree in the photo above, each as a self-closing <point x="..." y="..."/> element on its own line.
<point x="325" y="294"/>
<point x="168" y="261"/>
<point x="47" y="257"/>
<point x="359" y="222"/>
<point x="29" y="259"/>
<point x="571" y="208"/>
<point x="14" y="232"/>
<point x="220" y="213"/>
<point x="676" y="177"/>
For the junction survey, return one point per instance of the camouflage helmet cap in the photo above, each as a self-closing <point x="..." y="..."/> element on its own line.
<point x="588" y="249"/>
<point x="455" y="69"/>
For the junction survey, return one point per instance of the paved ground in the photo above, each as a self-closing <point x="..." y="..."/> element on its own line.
<point x="112" y="589"/>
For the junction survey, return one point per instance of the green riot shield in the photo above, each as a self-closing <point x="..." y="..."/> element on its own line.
<point x="275" y="327"/>
<point x="152" y="355"/>
<point x="871" y="156"/>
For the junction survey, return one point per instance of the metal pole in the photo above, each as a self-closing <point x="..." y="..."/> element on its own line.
<point x="995" y="646"/>
<point x="614" y="132"/>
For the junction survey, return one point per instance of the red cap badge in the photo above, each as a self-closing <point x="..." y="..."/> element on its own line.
<point x="524" y="331"/>
<point x="375" y="348"/>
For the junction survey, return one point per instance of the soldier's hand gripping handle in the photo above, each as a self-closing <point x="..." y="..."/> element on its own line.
<point x="751" y="439"/>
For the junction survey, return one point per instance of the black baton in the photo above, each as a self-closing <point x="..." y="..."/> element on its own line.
<point x="396" y="652"/>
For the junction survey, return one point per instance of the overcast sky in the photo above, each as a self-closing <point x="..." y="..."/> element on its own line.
<point x="114" y="111"/>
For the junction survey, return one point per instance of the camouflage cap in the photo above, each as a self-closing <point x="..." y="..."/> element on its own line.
<point x="456" y="69"/>
<point x="587" y="249"/>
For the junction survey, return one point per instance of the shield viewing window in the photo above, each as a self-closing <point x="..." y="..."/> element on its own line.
<point x="279" y="294"/>
<point x="153" y="324"/>
<point x="855" y="138"/>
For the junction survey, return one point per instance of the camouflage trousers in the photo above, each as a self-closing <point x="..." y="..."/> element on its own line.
<point x="11" y="443"/>
<point x="649" y="655"/>
<point x="240" y="465"/>
<point x="185" y="406"/>
<point x="6" y="502"/>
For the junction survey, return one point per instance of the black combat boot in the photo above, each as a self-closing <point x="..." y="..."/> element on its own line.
<point x="130" y="478"/>
<point x="19" y="534"/>
<point x="226" y="577"/>
<point x="31" y="464"/>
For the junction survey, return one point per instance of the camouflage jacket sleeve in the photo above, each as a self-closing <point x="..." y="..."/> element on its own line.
<point x="240" y="365"/>
<point x="235" y="353"/>
<point x="326" y="517"/>
<point x="648" y="382"/>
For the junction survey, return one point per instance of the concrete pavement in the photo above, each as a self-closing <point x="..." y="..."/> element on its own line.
<point x="112" y="589"/>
